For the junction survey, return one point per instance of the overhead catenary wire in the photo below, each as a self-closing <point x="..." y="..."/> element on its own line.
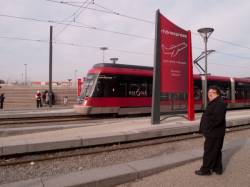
<point x="225" y="54"/>
<point x="100" y="29"/>
<point x="109" y="11"/>
<point x="105" y="10"/>
<point x="227" y="65"/>
<point x="224" y="41"/>
<point x="23" y="39"/>
<point x="231" y="43"/>
<point x="80" y="25"/>
<point x="98" y="48"/>
<point x="75" y="45"/>
<point x="112" y="49"/>
<point x="75" y="15"/>
<point x="110" y="31"/>
<point x="106" y="30"/>
<point x="233" y="55"/>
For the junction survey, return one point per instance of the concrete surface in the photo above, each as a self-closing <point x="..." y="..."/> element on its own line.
<point x="121" y="173"/>
<point x="115" y="132"/>
<point x="236" y="173"/>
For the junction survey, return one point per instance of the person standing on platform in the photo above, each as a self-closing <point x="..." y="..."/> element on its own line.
<point x="44" y="98"/>
<point x="47" y="98"/>
<point x="212" y="126"/>
<point x="1" y="100"/>
<point x="38" y="99"/>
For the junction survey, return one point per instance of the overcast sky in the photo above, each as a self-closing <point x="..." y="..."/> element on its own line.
<point x="229" y="18"/>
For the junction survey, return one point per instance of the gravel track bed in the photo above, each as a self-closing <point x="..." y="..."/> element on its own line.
<point x="72" y="164"/>
<point x="69" y="121"/>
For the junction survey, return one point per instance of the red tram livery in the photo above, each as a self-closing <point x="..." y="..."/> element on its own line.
<point x="127" y="89"/>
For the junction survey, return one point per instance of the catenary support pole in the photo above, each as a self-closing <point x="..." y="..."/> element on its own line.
<point x="50" y="66"/>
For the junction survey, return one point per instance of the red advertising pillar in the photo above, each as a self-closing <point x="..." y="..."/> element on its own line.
<point x="173" y="73"/>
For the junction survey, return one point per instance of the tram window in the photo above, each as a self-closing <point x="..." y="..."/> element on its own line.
<point x="88" y="85"/>
<point x="99" y="89"/>
<point x="197" y="90"/>
<point x="240" y="94"/>
<point x="123" y="86"/>
<point x="197" y="94"/>
<point x="106" y="86"/>
<point x="242" y="90"/>
<point x="137" y="90"/>
<point x="139" y="86"/>
<point x="122" y="89"/>
<point x="150" y="89"/>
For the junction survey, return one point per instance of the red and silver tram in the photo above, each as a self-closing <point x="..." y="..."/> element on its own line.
<point x="127" y="89"/>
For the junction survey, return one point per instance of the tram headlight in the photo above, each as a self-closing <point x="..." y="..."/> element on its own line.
<point x="85" y="102"/>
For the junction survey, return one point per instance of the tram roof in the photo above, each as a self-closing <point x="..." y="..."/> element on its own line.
<point x="123" y="66"/>
<point x="136" y="67"/>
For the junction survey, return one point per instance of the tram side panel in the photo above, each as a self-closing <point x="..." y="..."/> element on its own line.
<point x="125" y="90"/>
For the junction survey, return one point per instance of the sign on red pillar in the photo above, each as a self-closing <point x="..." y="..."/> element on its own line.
<point x="174" y="57"/>
<point x="176" y="73"/>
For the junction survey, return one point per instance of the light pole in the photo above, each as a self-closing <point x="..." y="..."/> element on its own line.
<point x="69" y="82"/>
<point x="103" y="49"/>
<point x="22" y="80"/>
<point x="25" y="74"/>
<point x="50" y="64"/>
<point x="205" y="33"/>
<point x="114" y="60"/>
<point x="75" y="75"/>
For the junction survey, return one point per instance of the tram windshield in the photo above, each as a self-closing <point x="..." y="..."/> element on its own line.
<point x="115" y="85"/>
<point x="88" y="86"/>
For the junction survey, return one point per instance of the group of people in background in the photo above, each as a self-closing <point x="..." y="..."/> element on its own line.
<point x="42" y="99"/>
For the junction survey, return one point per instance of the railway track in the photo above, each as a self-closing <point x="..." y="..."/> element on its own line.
<point x="43" y="119"/>
<point x="39" y="120"/>
<point x="62" y="118"/>
<point x="31" y="158"/>
<point x="52" y="119"/>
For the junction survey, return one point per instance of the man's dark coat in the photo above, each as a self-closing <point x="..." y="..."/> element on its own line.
<point x="213" y="123"/>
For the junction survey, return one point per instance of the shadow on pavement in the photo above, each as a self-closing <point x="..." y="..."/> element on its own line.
<point x="230" y="149"/>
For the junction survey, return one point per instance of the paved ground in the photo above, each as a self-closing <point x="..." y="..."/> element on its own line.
<point x="107" y="132"/>
<point x="236" y="174"/>
<point x="236" y="160"/>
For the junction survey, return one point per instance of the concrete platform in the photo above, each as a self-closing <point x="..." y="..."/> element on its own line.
<point x="120" y="131"/>
<point x="126" y="172"/>
<point x="41" y="112"/>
